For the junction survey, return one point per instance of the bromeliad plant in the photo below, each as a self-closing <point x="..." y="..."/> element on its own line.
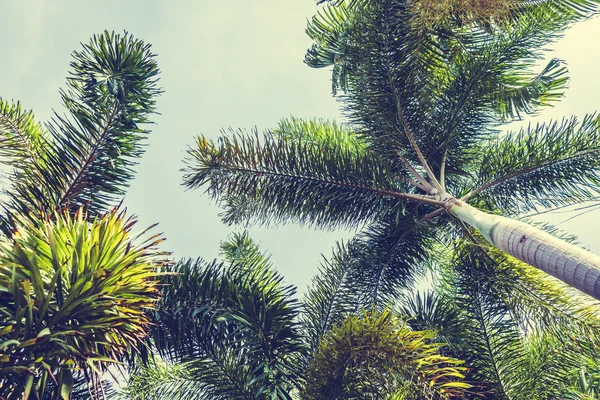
<point x="74" y="295"/>
<point x="74" y="283"/>
<point x="377" y="356"/>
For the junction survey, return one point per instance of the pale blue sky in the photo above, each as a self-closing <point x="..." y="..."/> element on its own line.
<point x="224" y="63"/>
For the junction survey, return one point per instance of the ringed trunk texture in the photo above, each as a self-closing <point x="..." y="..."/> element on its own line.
<point x="569" y="263"/>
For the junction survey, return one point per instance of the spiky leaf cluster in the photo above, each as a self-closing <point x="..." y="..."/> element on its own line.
<point x="375" y="356"/>
<point x="73" y="300"/>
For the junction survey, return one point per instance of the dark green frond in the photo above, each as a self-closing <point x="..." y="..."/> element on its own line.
<point x="538" y="301"/>
<point x="21" y="137"/>
<point x="159" y="380"/>
<point x="309" y="179"/>
<point x="245" y="256"/>
<point x="388" y="256"/>
<point x="235" y="328"/>
<point x="525" y="328"/>
<point x="330" y="28"/>
<point x="525" y="94"/>
<point x="330" y="298"/>
<point x="450" y="87"/>
<point x="88" y="158"/>
<point x="435" y="312"/>
<point x="543" y="166"/>
<point x="493" y="346"/>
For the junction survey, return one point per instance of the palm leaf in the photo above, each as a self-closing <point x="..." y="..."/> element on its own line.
<point x="88" y="157"/>
<point x="543" y="166"/>
<point x="312" y="180"/>
<point x="234" y="327"/>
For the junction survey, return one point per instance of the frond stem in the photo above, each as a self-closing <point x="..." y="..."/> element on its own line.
<point x="417" y="185"/>
<point x="407" y="130"/>
<point x="424" y="199"/>
<point x="443" y="169"/>
<point x="425" y="186"/>
<point x="488" y="345"/>
<point x="415" y="146"/>
<point x="91" y="157"/>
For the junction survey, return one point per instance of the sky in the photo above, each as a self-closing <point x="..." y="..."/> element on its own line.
<point x="225" y="63"/>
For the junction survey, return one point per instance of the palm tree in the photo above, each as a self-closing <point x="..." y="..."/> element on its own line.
<point x="74" y="281"/>
<point x="233" y="330"/>
<point x="422" y="153"/>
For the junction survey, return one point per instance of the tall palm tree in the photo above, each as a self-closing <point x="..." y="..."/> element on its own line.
<point x="74" y="281"/>
<point x="422" y="152"/>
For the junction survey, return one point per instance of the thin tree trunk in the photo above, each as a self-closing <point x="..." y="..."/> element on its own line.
<point x="569" y="263"/>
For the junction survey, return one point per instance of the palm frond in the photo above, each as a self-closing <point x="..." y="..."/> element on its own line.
<point x="310" y="180"/>
<point x="160" y="380"/>
<point x="525" y="328"/>
<point x="88" y="158"/>
<point x="437" y="313"/>
<point x="388" y="257"/>
<point x="540" y="302"/>
<point x="450" y="86"/>
<point x="543" y="166"/>
<point x="494" y="349"/>
<point x="330" y="298"/>
<point x="234" y="327"/>
<point x="244" y="256"/>
<point x="21" y="137"/>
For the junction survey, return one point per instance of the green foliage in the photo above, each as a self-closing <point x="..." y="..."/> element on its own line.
<point x="374" y="356"/>
<point x="450" y="86"/>
<point x="74" y="295"/>
<point x="324" y="182"/>
<point x="544" y="166"/>
<point x="330" y="298"/>
<point x="521" y="331"/>
<point x="74" y="285"/>
<point x="425" y="103"/>
<point x="231" y="329"/>
<point x="586" y="382"/>
<point x="21" y="137"/>
<point x="83" y="158"/>
<point x="437" y="313"/>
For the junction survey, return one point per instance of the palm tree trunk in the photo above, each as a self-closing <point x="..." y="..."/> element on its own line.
<point x="569" y="263"/>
